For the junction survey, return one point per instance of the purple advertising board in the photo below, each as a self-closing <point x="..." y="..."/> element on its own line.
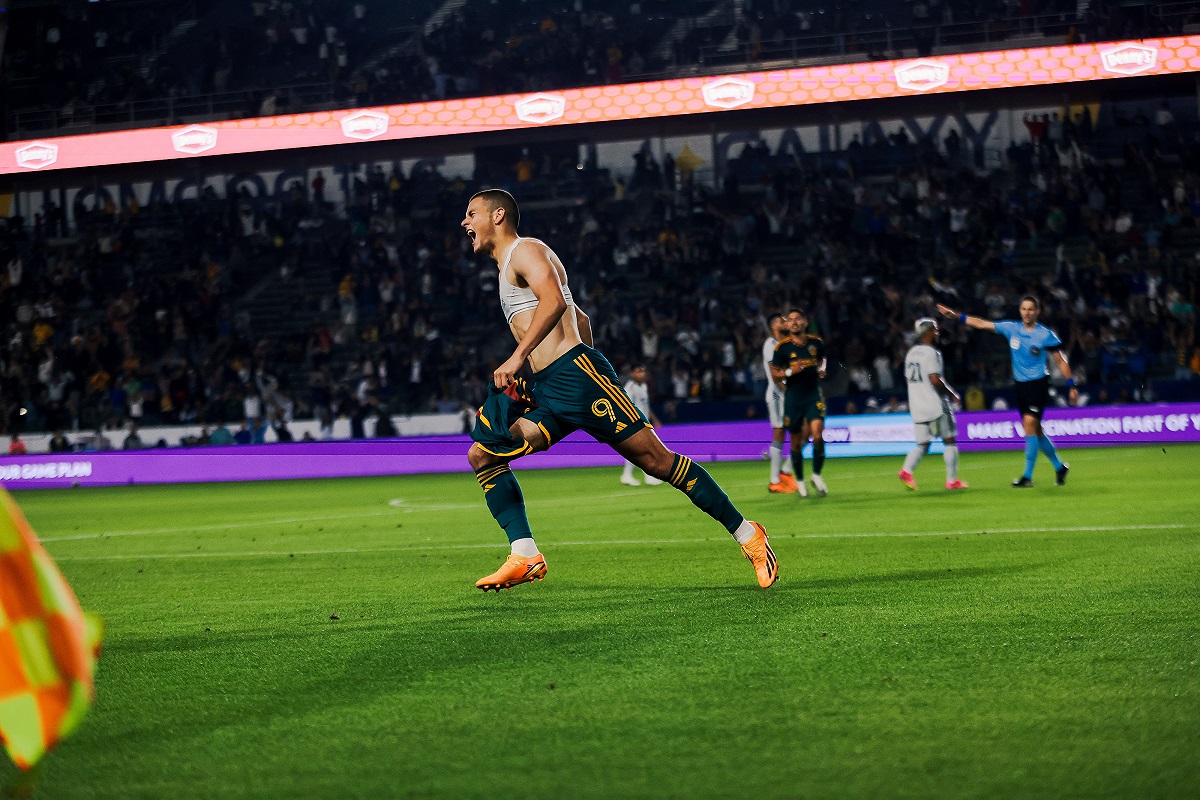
<point x="846" y="436"/>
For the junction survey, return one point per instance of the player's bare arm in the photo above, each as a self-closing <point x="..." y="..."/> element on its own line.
<point x="821" y="369"/>
<point x="533" y="266"/>
<point x="978" y="323"/>
<point x="1064" y="367"/>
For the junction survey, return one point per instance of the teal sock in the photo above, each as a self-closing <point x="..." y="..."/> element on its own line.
<point x="692" y="479"/>
<point x="504" y="500"/>
<point x="818" y="455"/>
<point x="1047" y="447"/>
<point x="798" y="462"/>
<point x="1031" y="451"/>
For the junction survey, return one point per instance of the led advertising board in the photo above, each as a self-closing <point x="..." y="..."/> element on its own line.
<point x="772" y="89"/>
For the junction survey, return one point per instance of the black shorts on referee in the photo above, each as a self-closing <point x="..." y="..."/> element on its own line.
<point x="1032" y="397"/>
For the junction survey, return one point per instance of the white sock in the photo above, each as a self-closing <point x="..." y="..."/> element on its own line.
<point x="628" y="470"/>
<point x="787" y="463"/>
<point x="950" y="456"/>
<point x="744" y="533"/>
<point x="525" y="547"/>
<point x="913" y="458"/>
<point x="776" y="460"/>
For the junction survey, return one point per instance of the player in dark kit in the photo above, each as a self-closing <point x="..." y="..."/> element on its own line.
<point x="800" y="363"/>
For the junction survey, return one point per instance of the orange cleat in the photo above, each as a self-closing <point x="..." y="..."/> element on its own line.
<point x="759" y="551"/>
<point x="516" y="570"/>
<point x="789" y="481"/>
<point x="907" y="479"/>
<point x="952" y="485"/>
<point x="781" y="488"/>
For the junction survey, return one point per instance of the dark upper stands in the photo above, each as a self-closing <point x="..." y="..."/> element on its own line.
<point x="129" y="63"/>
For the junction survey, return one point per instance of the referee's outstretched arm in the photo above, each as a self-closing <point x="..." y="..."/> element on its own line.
<point x="1064" y="367"/>
<point x="971" y="322"/>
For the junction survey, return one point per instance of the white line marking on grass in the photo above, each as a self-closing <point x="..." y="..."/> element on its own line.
<point x="221" y="527"/>
<point x="612" y="542"/>
<point x="403" y="507"/>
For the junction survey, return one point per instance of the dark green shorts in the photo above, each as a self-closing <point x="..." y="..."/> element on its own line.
<point x="804" y="408"/>
<point x="579" y="390"/>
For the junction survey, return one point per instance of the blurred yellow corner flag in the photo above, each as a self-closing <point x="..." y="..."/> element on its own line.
<point x="48" y="646"/>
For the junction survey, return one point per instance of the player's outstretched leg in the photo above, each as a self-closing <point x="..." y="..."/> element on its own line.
<point x="647" y="451"/>
<point x="507" y="504"/>
<point x="695" y="482"/>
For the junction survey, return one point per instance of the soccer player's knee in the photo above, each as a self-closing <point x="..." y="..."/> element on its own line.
<point x="479" y="458"/>
<point x="662" y="465"/>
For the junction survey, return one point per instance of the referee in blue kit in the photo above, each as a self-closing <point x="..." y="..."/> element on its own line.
<point x="1031" y="345"/>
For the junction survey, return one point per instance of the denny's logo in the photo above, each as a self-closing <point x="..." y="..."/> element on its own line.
<point x="36" y="155"/>
<point x="728" y="92"/>
<point x="1130" y="59"/>
<point x="922" y="75"/>
<point x="365" y="125"/>
<point x="194" y="139"/>
<point x="540" y="108"/>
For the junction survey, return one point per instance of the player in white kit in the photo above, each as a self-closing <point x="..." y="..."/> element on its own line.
<point x="929" y="399"/>
<point x="781" y="480"/>
<point x="639" y="393"/>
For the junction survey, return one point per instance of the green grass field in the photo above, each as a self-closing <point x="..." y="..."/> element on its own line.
<point x="324" y="639"/>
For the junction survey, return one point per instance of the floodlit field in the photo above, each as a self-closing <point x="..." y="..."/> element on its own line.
<point x="324" y="639"/>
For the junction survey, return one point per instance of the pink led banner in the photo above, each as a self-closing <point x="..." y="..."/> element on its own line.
<point x="774" y="89"/>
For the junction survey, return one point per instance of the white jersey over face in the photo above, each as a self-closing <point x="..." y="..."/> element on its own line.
<point x="639" y="393"/>
<point x="925" y="402"/>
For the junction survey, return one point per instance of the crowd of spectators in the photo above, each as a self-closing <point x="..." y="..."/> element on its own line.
<point x="882" y="29"/>
<point x="91" y="64"/>
<point x="138" y="315"/>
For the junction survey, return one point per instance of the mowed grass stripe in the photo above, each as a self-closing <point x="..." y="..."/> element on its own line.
<point x="623" y="542"/>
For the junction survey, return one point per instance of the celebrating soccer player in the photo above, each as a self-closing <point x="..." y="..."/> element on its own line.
<point x="929" y="397"/>
<point x="799" y="361"/>
<point x="1031" y="345"/>
<point x="573" y="387"/>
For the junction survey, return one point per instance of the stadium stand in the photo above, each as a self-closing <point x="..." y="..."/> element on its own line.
<point x="175" y="311"/>
<point x="183" y="61"/>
